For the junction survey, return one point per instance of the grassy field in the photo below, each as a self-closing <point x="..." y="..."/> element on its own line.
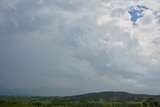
<point x="51" y="102"/>
<point x="75" y="105"/>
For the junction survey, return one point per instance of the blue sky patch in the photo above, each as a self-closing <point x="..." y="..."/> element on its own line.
<point x="136" y="12"/>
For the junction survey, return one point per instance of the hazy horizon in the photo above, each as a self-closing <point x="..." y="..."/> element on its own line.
<point x="72" y="47"/>
<point x="28" y="95"/>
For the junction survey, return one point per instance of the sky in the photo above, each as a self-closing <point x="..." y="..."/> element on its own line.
<point x="71" y="47"/>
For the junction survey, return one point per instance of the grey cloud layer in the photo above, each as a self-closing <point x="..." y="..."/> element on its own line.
<point x="66" y="47"/>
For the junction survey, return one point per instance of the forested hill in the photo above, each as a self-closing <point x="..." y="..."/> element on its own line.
<point x="110" y="95"/>
<point x="100" y="99"/>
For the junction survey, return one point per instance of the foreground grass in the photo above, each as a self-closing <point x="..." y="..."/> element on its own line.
<point x="110" y="104"/>
<point x="60" y="102"/>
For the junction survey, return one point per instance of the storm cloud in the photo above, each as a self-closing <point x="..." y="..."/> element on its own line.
<point x="68" y="47"/>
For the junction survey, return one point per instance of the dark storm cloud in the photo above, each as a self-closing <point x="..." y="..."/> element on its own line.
<point x="66" y="47"/>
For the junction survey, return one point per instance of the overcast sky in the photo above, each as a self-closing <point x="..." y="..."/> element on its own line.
<point x="69" y="47"/>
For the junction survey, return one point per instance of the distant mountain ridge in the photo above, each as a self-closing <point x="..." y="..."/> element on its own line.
<point x="110" y="95"/>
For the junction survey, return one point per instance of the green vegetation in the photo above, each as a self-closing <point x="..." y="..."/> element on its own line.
<point x="103" y="99"/>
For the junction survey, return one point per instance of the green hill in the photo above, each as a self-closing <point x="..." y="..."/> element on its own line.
<point x="100" y="99"/>
<point x="110" y="95"/>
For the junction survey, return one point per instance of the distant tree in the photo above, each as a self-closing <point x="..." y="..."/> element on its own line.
<point x="156" y="103"/>
<point x="151" y="102"/>
<point x="144" y="104"/>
